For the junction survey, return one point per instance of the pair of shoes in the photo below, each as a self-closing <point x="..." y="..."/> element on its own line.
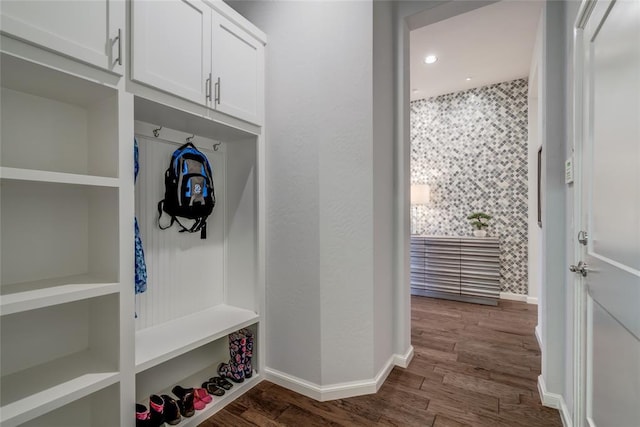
<point x="216" y="386"/>
<point x="185" y="400"/>
<point x="201" y="398"/>
<point x="221" y="382"/>
<point x="154" y="416"/>
<point x="212" y="389"/>
<point x="240" y="352"/>
<point x="190" y="399"/>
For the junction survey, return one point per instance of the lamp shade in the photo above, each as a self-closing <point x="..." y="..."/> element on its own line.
<point x="420" y="194"/>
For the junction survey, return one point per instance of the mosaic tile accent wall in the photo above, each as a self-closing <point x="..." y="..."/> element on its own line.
<point x="471" y="148"/>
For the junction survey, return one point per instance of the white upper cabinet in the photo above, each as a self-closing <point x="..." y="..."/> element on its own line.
<point x="201" y="51"/>
<point x="88" y="31"/>
<point x="171" y="43"/>
<point x="238" y="71"/>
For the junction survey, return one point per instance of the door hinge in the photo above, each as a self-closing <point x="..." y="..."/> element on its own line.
<point x="583" y="237"/>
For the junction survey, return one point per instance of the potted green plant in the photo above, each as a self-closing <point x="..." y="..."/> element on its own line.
<point x="480" y="221"/>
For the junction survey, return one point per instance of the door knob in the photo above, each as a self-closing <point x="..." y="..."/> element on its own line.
<point x="580" y="268"/>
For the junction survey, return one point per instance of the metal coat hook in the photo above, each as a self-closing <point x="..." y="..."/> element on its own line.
<point x="190" y="138"/>
<point x="156" y="132"/>
<point x="216" y="146"/>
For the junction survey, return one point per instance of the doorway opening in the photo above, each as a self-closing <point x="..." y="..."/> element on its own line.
<point x="474" y="144"/>
<point x="473" y="160"/>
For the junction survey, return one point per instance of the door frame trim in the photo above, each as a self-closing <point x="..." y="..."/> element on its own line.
<point x="580" y="304"/>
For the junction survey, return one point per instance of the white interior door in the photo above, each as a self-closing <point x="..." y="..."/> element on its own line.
<point x="610" y="205"/>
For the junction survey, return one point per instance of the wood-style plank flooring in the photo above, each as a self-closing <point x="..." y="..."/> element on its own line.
<point x="474" y="365"/>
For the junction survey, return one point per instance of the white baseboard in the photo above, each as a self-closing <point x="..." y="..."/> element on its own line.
<point x="518" y="297"/>
<point x="323" y="393"/>
<point x="513" y="297"/>
<point x="554" y="400"/>
<point x="565" y="415"/>
<point x="403" y="360"/>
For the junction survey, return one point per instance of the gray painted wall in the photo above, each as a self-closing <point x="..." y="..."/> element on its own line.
<point x="383" y="190"/>
<point x="471" y="147"/>
<point x="344" y="116"/>
<point x="294" y="135"/>
<point x="330" y="306"/>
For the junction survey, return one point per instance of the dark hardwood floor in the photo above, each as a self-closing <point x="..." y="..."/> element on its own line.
<point x="474" y="365"/>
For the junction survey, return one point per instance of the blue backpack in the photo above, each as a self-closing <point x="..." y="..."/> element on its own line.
<point x="189" y="190"/>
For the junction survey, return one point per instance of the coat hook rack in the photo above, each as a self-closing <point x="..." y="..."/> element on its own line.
<point x="190" y="138"/>
<point x="216" y="146"/>
<point x="156" y="132"/>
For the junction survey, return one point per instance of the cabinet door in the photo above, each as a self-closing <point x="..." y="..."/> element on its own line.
<point x="89" y="31"/>
<point x="171" y="48"/>
<point x="238" y="71"/>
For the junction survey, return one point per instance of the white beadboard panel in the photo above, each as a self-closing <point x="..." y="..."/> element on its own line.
<point x="185" y="273"/>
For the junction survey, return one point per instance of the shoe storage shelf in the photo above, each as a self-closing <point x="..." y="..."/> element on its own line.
<point x="60" y="219"/>
<point x="192" y="369"/>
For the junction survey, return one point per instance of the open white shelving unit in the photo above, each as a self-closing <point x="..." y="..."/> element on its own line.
<point x="43" y="293"/>
<point x="97" y="408"/>
<point x="61" y="214"/>
<point x="78" y="348"/>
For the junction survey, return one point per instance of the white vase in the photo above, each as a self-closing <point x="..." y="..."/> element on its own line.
<point x="480" y="233"/>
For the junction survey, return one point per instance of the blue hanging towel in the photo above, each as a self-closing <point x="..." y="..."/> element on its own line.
<point x="141" y="266"/>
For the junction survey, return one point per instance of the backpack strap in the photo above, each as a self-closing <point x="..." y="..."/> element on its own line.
<point x="160" y="210"/>
<point x="200" y="224"/>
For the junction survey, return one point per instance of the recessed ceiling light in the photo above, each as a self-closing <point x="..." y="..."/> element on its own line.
<point x="414" y="90"/>
<point x="468" y="79"/>
<point x="430" y="59"/>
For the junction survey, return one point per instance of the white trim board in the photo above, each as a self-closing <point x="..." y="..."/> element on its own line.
<point x="403" y="360"/>
<point x="344" y="390"/>
<point x="556" y="401"/>
<point x="513" y="297"/>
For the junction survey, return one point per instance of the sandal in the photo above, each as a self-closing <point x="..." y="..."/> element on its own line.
<point x="202" y="395"/>
<point x="213" y="389"/>
<point x="221" y="382"/>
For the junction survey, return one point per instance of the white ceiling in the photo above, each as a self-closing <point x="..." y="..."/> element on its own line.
<point x="491" y="44"/>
